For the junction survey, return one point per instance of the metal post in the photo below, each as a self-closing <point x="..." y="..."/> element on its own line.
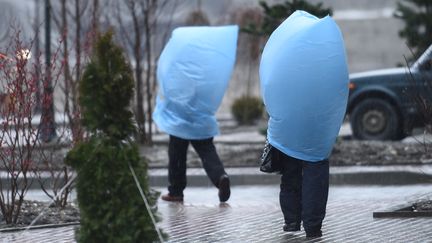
<point x="47" y="119"/>
<point x="37" y="51"/>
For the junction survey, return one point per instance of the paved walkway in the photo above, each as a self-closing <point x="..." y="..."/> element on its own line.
<point x="252" y="215"/>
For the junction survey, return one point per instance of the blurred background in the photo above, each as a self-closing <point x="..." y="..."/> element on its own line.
<point x="142" y="27"/>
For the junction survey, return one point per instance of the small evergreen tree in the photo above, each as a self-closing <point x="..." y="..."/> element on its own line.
<point x="247" y="109"/>
<point x="111" y="207"/>
<point x="417" y="15"/>
<point x="276" y="14"/>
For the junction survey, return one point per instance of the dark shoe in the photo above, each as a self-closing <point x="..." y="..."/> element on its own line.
<point x="313" y="234"/>
<point x="224" y="188"/>
<point x="291" y="227"/>
<point x="170" y="198"/>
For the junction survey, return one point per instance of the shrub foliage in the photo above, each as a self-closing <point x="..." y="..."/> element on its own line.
<point x="247" y="109"/>
<point x="111" y="207"/>
<point x="275" y="14"/>
<point x="417" y="17"/>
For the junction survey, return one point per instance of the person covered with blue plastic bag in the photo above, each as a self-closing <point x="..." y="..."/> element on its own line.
<point x="304" y="84"/>
<point x="193" y="73"/>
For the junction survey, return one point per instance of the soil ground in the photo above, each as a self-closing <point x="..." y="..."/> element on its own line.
<point x="345" y="152"/>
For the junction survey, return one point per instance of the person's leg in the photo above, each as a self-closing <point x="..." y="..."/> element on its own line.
<point x="314" y="195"/>
<point x="213" y="166"/>
<point x="290" y="190"/>
<point x="177" y="155"/>
<point x="210" y="159"/>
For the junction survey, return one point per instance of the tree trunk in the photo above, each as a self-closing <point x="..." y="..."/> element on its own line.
<point x="140" y="114"/>
<point x="148" y="71"/>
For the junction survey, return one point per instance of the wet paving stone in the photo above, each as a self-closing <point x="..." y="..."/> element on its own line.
<point x="252" y="215"/>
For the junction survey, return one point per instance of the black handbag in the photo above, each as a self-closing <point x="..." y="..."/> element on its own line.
<point x="269" y="159"/>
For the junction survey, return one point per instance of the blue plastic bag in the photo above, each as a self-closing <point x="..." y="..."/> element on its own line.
<point x="193" y="73"/>
<point x="304" y="84"/>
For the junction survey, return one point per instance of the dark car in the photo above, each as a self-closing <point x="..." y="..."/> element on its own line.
<point x="382" y="103"/>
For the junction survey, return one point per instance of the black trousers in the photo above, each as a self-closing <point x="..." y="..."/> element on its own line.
<point x="177" y="155"/>
<point x="303" y="191"/>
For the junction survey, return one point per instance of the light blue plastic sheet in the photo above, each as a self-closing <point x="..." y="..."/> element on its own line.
<point x="193" y="73"/>
<point x="304" y="84"/>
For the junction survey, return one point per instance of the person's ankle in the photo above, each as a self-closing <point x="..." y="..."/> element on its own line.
<point x="291" y="227"/>
<point x="224" y="188"/>
<point x="172" y="198"/>
<point x="313" y="234"/>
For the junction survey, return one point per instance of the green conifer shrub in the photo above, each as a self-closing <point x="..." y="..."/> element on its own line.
<point x="247" y="109"/>
<point x="417" y="17"/>
<point x="111" y="207"/>
<point x="275" y="14"/>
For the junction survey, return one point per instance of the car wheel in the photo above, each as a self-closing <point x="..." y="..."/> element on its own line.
<point x="375" y="119"/>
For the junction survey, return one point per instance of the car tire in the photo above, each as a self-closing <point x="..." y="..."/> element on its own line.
<point x="375" y="119"/>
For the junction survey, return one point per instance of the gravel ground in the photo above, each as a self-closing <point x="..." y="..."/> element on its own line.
<point x="50" y="214"/>
<point x="353" y="152"/>
<point x="345" y="152"/>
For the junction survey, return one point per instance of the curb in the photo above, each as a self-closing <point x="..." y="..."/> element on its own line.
<point x="352" y="175"/>
<point x="35" y="227"/>
<point x="382" y="178"/>
<point x="242" y="176"/>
